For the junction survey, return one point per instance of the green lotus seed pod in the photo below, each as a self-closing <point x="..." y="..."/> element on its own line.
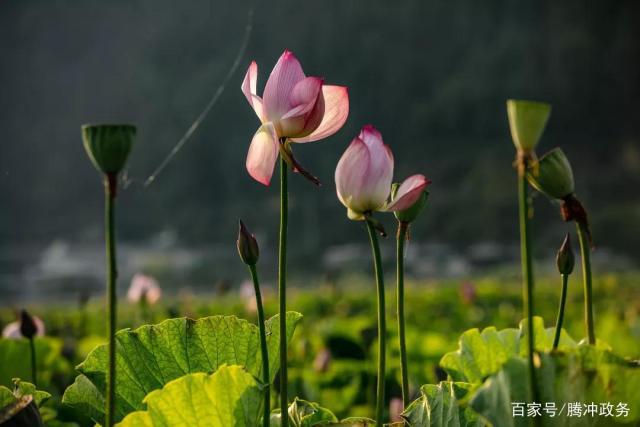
<point x="527" y="120"/>
<point x="411" y="213"/>
<point x="108" y="146"/>
<point x="565" y="259"/>
<point x="552" y="175"/>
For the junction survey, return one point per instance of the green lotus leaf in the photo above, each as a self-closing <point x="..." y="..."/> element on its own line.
<point x="149" y="357"/>
<point x="230" y="397"/>
<point x="481" y="354"/>
<point x="305" y="414"/>
<point x="441" y="405"/>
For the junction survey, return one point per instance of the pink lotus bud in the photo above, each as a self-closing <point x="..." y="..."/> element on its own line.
<point x="144" y="289"/>
<point x="364" y="174"/>
<point x="297" y="107"/>
<point x="14" y="329"/>
<point x="395" y="410"/>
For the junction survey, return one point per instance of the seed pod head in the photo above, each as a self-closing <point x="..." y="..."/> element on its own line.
<point x="22" y="412"/>
<point x="552" y="175"/>
<point x="527" y="120"/>
<point x="108" y="146"/>
<point x="565" y="258"/>
<point x="411" y="213"/>
<point x="247" y="246"/>
<point x="28" y="327"/>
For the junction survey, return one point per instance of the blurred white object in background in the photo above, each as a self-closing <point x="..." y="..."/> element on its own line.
<point x="144" y="289"/>
<point x="12" y="330"/>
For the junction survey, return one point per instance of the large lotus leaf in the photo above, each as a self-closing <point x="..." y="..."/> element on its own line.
<point x="583" y="376"/>
<point x="149" y="357"/>
<point x="230" y="397"/>
<point x="481" y="354"/>
<point x="15" y="360"/>
<point x="305" y="414"/>
<point x="442" y="405"/>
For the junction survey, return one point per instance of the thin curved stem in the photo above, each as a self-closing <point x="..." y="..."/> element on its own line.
<point x="282" y="290"/>
<point x="403" y="227"/>
<point x="382" y="327"/>
<point x="34" y="371"/>
<point x="585" y="251"/>
<point x="263" y="347"/>
<point x="527" y="272"/>
<point x="110" y="195"/>
<point x="563" y="300"/>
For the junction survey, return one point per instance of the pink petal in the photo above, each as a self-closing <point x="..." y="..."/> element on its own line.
<point x="380" y="173"/>
<point x="336" y="111"/>
<point x="263" y="153"/>
<point x="284" y="77"/>
<point x="308" y="108"/>
<point x="249" y="88"/>
<point x="409" y="191"/>
<point x="364" y="173"/>
<point x="350" y="173"/>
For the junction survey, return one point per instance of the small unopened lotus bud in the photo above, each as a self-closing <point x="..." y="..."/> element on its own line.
<point x="108" y="145"/>
<point x="247" y="246"/>
<point x="527" y="120"/>
<point x="552" y="175"/>
<point x="565" y="258"/>
<point x="28" y="327"/>
<point x="411" y="213"/>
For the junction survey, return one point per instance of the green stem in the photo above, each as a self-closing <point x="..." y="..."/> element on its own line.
<point x="110" y="194"/>
<point x="263" y="347"/>
<point x="563" y="300"/>
<point x="401" y="238"/>
<point x="282" y="290"/>
<point x="585" y="251"/>
<point x="34" y="372"/>
<point x="382" y="327"/>
<point x="527" y="273"/>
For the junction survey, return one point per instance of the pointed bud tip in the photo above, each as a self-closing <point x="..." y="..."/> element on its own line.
<point x="247" y="245"/>
<point x="565" y="259"/>
<point x="28" y="327"/>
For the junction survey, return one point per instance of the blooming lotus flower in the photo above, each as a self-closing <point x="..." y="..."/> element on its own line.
<point x="144" y="289"/>
<point x="293" y="106"/>
<point x="364" y="174"/>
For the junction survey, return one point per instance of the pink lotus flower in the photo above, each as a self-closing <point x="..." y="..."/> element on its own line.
<point x="294" y="106"/>
<point x="144" y="289"/>
<point x="364" y="174"/>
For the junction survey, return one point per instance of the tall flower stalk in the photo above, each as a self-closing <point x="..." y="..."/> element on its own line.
<point x="294" y="109"/>
<point x="553" y="176"/>
<point x="527" y="120"/>
<point x="249" y="253"/>
<point x="29" y="329"/>
<point x="382" y="323"/>
<point x="363" y="184"/>
<point x="405" y="218"/>
<point x="108" y="147"/>
<point x="282" y="288"/>
<point x="564" y="261"/>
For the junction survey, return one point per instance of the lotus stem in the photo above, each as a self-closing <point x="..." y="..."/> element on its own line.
<point x="110" y="195"/>
<point x="527" y="269"/>
<point x="563" y="300"/>
<point x="403" y="227"/>
<point x="263" y="347"/>
<point x="585" y="251"/>
<point x="282" y="290"/>
<point x="34" y="371"/>
<point x="382" y="327"/>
